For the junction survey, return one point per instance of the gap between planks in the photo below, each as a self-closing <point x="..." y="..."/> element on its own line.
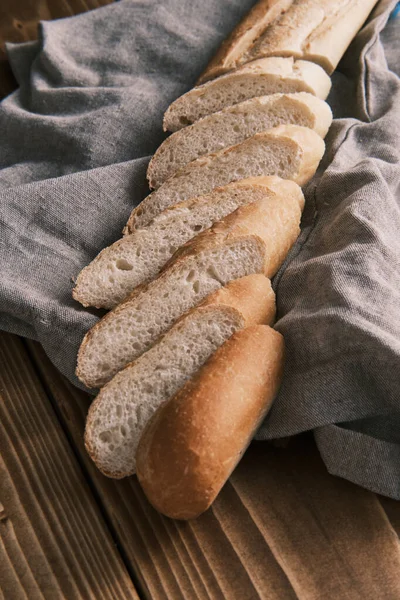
<point x="53" y="540"/>
<point x="315" y="534"/>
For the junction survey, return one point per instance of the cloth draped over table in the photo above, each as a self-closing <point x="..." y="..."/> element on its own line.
<point x="75" y="142"/>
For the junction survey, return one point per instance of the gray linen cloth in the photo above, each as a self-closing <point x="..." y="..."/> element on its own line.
<point x="75" y="142"/>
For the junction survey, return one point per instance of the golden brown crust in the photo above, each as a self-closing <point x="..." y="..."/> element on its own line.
<point x="309" y="32"/>
<point x="194" y="441"/>
<point x="273" y="224"/>
<point x="250" y="300"/>
<point x="315" y="112"/>
<point x="311" y="144"/>
<point x="243" y="36"/>
<point x="270" y="183"/>
<point x="274" y="220"/>
<point x="277" y="185"/>
<point x="175" y="263"/>
<point x="252" y="296"/>
<point x="228" y="309"/>
<point x="322" y="46"/>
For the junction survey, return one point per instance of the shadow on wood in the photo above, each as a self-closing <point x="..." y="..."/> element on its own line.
<point x="54" y="542"/>
<point x="281" y="528"/>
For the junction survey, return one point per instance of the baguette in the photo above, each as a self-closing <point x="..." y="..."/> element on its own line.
<point x="234" y="124"/>
<point x="315" y="30"/>
<point x="193" y="442"/>
<point x="258" y="78"/>
<point x="117" y="417"/>
<point x="254" y="239"/>
<point x="138" y="257"/>
<point x="288" y="151"/>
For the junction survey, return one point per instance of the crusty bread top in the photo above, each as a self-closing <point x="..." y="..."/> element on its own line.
<point x="279" y="186"/>
<point x="313" y="147"/>
<point x="215" y="265"/>
<point x="194" y="441"/>
<point x="233" y="125"/>
<point x="243" y="302"/>
<point x="252" y="296"/>
<point x="271" y="183"/>
<point x="242" y="37"/>
<point x="265" y="230"/>
<point x="307" y="146"/>
<point x="282" y="74"/>
<point x="315" y="30"/>
<point x="257" y="219"/>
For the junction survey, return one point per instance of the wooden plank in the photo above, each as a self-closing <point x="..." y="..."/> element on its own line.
<point x="332" y="538"/>
<point x="282" y="528"/>
<point x="201" y="559"/>
<point x="54" y="542"/>
<point x="19" y="20"/>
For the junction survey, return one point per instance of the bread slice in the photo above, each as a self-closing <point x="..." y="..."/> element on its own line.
<point x="288" y="151"/>
<point x="253" y="239"/>
<point x="138" y="257"/>
<point x="120" y="412"/>
<point x="234" y="124"/>
<point x="193" y="442"/>
<point x="258" y="78"/>
<point x="315" y="30"/>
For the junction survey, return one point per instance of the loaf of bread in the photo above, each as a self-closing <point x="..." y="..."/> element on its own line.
<point x="138" y="257"/>
<point x="117" y="417"/>
<point x="258" y="78"/>
<point x="287" y="151"/>
<point x="314" y="30"/>
<point x="254" y="239"/>
<point x="187" y="361"/>
<point x="233" y="125"/>
<point x="194" y="441"/>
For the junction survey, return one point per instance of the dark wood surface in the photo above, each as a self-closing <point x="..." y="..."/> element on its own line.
<point x="282" y="528"/>
<point x="55" y="542"/>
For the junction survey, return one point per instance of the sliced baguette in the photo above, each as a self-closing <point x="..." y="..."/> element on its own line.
<point x="138" y="257"/>
<point x="288" y="151"/>
<point x="193" y="442"/>
<point x="315" y="30"/>
<point x="117" y="417"/>
<point x="234" y="124"/>
<point x="258" y="78"/>
<point x="253" y="239"/>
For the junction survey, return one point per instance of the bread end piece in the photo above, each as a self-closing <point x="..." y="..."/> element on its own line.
<point x="313" y="31"/>
<point x="243" y="36"/>
<point x="194" y="441"/>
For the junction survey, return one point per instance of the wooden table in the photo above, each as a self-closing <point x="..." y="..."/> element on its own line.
<point x="281" y="529"/>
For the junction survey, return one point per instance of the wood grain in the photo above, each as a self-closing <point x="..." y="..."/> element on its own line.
<point x="19" y="20"/>
<point x="282" y="528"/>
<point x="332" y="538"/>
<point x="54" y="542"/>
